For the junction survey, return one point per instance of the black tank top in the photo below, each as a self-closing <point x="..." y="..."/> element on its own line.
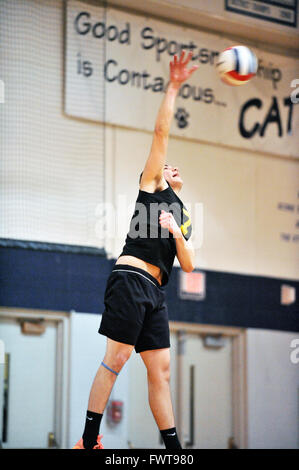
<point x="146" y="238"/>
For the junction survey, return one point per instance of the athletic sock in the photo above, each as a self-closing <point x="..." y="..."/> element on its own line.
<point x="91" y="430"/>
<point x="170" y="438"/>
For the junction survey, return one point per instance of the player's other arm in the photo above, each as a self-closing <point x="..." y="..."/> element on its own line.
<point x="185" y="253"/>
<point x="184" y="248"/>
<point x="153" y="171"/>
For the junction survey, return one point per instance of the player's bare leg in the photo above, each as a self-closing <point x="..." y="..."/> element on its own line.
<point x="157" y="363"/>
<point x="115" y="358"/>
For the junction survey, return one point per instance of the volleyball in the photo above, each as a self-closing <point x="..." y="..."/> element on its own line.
<point x="237" y="65"/>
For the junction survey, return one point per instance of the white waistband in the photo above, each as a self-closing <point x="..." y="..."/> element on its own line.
<point x="135" y="272"/>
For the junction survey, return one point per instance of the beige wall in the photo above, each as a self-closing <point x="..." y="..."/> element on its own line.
<point x="240" y="192"/>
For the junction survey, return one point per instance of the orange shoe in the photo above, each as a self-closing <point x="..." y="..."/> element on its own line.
<point x="99" y="445"/>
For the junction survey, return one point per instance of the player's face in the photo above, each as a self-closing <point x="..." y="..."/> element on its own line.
<point x="173" y="177"/>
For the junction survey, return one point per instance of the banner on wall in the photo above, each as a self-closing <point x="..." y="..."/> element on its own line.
<point x="280" y="15"/>
<point x="117" y="68"/>
<point x="283" y="12"/>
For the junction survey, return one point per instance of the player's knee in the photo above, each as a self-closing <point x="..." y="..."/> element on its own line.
<point x="166" y="375"/>
<point x="160" y="374"/>
<point x="119" y="359"/>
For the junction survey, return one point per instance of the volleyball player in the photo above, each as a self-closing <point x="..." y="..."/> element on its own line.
<point x="135" y="313"/>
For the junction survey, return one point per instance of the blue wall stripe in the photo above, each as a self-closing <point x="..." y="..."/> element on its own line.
<point x="38" y="279"/>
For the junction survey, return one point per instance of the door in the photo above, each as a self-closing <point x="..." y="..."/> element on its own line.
<point x="27" y="385"/>
<point x="206" y="394"/>
<point x="202" y="383"/>
<point x="143" y="431"/>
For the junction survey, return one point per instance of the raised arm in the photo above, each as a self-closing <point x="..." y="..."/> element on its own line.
<point x="152" y="176"/>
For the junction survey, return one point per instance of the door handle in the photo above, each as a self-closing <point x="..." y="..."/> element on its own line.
<point x="190" y="442"/>
<point x="5" y="399"/>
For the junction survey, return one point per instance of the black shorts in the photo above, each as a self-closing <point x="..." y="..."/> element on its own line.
<point x="135" y="309"/>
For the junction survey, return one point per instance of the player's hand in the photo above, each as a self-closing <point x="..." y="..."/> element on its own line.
<point x="179" y="71"/>
<point x="167" y="220"/>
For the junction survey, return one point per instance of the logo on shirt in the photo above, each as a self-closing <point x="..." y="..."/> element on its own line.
<point x="186" y="226"/>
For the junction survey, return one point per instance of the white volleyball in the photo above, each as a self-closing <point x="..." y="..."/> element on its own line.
<point x="237" y="65"/>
